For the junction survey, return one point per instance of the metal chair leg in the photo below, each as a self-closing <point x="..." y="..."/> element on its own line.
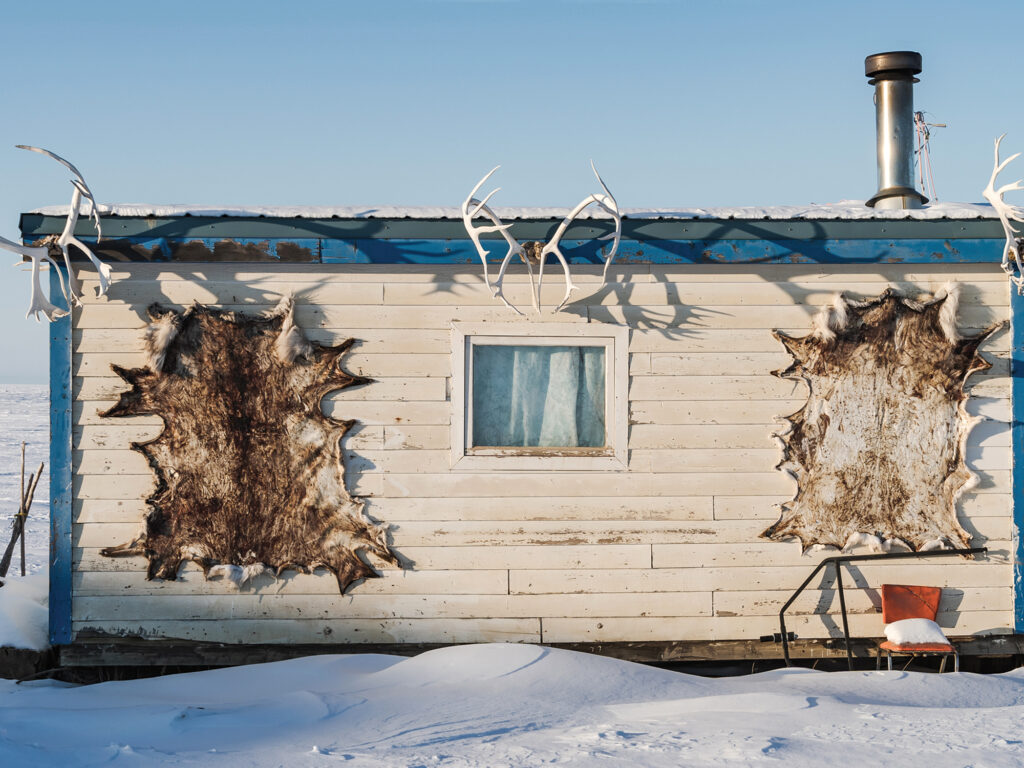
<point x="878" y="659"/>
<point x="956" y="661"/>
<point x="888" y="655"/>
<point x="942" y="664"/>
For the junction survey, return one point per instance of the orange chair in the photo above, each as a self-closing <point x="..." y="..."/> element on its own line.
<point x="910" y="602"/>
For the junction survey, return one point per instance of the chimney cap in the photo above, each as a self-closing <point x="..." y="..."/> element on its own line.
<point x="893" y="64"/>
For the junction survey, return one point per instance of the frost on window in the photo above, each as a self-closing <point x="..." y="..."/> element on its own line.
<point x="538" y="396"/>
<point x="878" y="448"/>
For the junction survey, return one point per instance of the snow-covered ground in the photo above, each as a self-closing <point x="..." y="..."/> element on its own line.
<point x="485" y="705"/>
<point x="509" y="705"/>
<point x="25" y="416"/>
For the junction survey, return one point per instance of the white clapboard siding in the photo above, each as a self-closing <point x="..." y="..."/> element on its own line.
<point x="377" y="606"/>
<point x="762" y="507"/>
<point x="858" y="600"/>
<point x="709" y="338"/>
<point x="372" y="365"/>
<point x="554" y="508"/>
<point x="742" y="578"/>
<point x="441" y="558"/>
<point x="348" y="317"/>
<point x="458" y="533"/>
<point x="668" y="548"/>
<point x="327" y="631"/>
<point x="383" y="341"/>
<point x="723" y="293"/>
<point x="391" y="581"/>
<point x="760" y="553"/>
<point x="385" y="388"/>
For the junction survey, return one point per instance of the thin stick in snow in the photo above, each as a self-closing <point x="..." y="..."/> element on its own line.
<point x="19" y="523"/>
<point x="21" y="507"/>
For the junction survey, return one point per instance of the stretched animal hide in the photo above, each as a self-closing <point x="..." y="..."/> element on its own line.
<point x="249" y="470"/>
<point x="878" y="449"/>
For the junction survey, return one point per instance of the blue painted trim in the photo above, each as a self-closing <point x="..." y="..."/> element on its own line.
<point x="1017" y="441"/>
<point x="60" y="470"/>
<point x="848" y="251"/>
<point x="184" y="227"/>
<point x="383" y="250"/>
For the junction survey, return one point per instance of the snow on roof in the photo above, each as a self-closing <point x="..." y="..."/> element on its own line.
<point x="845" y="209"/>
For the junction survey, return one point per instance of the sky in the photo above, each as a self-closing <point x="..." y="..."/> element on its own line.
<point x="680" y="104"/>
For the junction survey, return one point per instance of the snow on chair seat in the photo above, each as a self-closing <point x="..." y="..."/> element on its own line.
<point x="909" y="615"/>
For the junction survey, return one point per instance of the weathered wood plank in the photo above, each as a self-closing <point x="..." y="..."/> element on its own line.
<point x="745" y="577"/>
<point x="367" y="412"/>
<point x="651" y="437"/>
<point x="677" y="318"/>
<point x="462" y="533"/>
<point x="762" y="508"/>
<point x="467" y="509"/>
<point x="379" y="365"/>
<point x="704" y="460"/>
<point x="715" y="388"/>
<point x="762" y="553"/>
<point x="412" y="437"/>
<point x="351" y="318"/>
<point x="717" y="363"/>
<point x="232" y="608"/>
<point x="392" y="581"/>
<point x="390" y="388"/>
<point x="457" y="533"/>
<point x="530" y="485"/>
<point x="128" y="487"/>
<point x="118" y="434"/>
<point x="451" y="558"/>
<point x="261" y="292"/>
<point x="709" y="338"/>
<point x="328" y="630"/>
<point x="378" y="341"/>
<point x="742" y="627"/>
<point x="726" y="292"/>
<point x="533" y="484"/>
<point x="667" y="413"/>
<point x="761" y="412"/>
<point x="858" y="600"/>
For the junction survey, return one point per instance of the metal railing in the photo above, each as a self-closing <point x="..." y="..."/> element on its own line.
<point x="838" y="562"/>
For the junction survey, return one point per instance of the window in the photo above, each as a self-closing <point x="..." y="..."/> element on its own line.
<point x="539" y="396"/>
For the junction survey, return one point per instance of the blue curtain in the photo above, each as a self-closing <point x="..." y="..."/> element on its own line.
<point x="538" y="396"/>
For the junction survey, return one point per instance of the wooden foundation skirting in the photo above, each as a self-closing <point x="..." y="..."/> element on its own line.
<point x="114" y="652"/>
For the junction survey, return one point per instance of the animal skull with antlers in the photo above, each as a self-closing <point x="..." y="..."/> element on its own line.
<point x="535" y="252"/>
<point x="1007" y="214"/>
<point x="72" y="290"/>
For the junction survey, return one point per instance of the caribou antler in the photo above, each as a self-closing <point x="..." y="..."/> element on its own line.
<point x="471" y="208"/>
<point x="39" y="302"/>
<point x="1007" y="213"/>
<point x="608" y="204"/>
<point x="67" y="237"/>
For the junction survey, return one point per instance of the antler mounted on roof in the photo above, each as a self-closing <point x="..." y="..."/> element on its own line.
<point x="1007" y="214"/>
<point x="472" y="208"/>
<point x="73" y="289"/>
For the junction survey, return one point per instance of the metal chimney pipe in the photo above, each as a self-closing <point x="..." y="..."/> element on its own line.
<point x="892" y="74"/>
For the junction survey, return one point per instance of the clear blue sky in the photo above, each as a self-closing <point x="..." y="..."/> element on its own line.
<point x="336" y="103"/>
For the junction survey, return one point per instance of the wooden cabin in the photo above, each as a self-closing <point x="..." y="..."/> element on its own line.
<point x="645" y="541"/>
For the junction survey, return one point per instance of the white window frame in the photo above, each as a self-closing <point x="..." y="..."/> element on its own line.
<point x="611" y="457"/>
